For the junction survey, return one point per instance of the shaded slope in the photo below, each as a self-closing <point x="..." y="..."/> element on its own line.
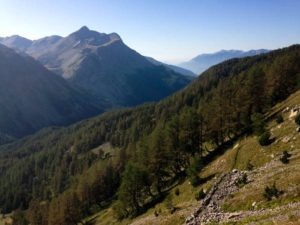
<point x="31" y="97"/>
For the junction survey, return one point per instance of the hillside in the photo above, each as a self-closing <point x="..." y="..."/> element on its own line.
<point x="103" y="65"/>
<point x="202" y="62"/>
<point x="31" y="97"/>
<point x="128" y="161"/>
<point x="244" y="205"/>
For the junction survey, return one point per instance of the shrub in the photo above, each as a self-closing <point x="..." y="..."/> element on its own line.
<point x="279" y="118"/>
<point x="297" y="119"/>
<point x="249" y="166"/>
<point x="272" y="192"/>
<point x="177" y="192"/>
<point x="284" y="158"/>
<point x="200" y="195"/>
<point x="242" y="180"/>
<point x="195" y="180"/>
<point x="264" y="139"/>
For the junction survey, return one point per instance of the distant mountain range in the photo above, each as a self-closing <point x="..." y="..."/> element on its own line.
<point x="32" y="97"/>
<point x="202" y="62"/>
<point x="102" y="65"/>
<point x="177" y="69"/>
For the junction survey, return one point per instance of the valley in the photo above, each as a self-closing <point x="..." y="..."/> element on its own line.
<point x="131" y="163"/>
<point x="149" y="112"/>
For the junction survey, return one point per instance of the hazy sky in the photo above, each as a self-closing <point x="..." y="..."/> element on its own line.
<point x="168" y="30"/>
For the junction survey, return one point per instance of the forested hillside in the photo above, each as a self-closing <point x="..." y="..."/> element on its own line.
<point x="62" y="175"/>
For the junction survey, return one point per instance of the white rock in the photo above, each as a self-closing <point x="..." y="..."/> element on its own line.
<point x="286" y="139"/>
<point x="293" y="113"/>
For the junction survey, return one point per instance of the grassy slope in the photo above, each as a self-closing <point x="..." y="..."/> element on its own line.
<point x="268" y="169"/>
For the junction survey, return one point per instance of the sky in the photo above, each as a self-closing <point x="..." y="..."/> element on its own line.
<point x="169" y="30"/>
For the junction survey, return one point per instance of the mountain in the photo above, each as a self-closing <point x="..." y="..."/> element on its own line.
<point x="202" y="62"/>
<point x="177" y="69"/>
<point x="129" y="160"/>
<point x="103" y="65"/>
<point x="16" y="42"/>
<point x="31" y="97"/>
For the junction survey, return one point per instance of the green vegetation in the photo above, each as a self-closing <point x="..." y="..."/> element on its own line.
<point x="155" y="145"/>
<point x="272" y="192"/>
<point x="242" y="181"/>
<point x="248" y="150"/>
<point x="284" y="158"/>
<point x="249" y="166"/>
<point x="133" y="191"/>
<point x="279" y="119"/>
<point x="258" y="123"/>
<point x="264" y="139"/>
<point x="200" y="195"/>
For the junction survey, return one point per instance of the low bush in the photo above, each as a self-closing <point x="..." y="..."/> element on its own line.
<point x="177" y="191"/>
<point x="249" y="166"/>
<point x="279" y="118"/>
<point x="272" y="192"/>
<point x="284" y="158"/>
<point x="264" y="139"/>
<point x="200" y="195"/>
<point x="242" y="180"/>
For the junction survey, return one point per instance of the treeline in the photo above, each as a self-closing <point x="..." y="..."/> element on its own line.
<point x="157" y="143"/>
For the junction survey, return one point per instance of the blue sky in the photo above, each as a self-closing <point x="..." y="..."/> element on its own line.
<point x="168" y="30"/>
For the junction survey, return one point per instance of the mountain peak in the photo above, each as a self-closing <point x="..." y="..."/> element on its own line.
<point x="84" y="36"/>
<point x="84" y="29"/>
<point x="83" y="32"/>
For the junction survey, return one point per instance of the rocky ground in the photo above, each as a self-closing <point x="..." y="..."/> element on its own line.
<point x="210" y="210"/>
<point x="210" y="206"/>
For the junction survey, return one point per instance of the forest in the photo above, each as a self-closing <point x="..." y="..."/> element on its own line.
<point x="56" y="177"/>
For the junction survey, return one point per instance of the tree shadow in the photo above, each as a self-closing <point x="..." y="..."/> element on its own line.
<point x="206" y="179"/>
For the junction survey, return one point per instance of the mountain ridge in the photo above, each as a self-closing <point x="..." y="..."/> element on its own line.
<point x="32" y="97"/>
<point x="105" y="66"/>
<point x="148" y="141"/>
<point x="201" y="62"/>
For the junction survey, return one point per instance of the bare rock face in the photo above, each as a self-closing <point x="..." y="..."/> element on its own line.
<point x="103" y="65"/>
<point x="209" y="209"/>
